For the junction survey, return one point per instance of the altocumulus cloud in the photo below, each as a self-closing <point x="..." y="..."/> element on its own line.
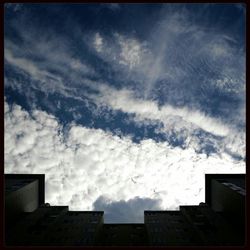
<point x="89" y="168"/>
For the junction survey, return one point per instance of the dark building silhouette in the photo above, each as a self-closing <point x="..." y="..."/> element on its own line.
<point x="169" y="228"/>
<point x="56" y="226"/>
<point x="226" y="195"/>
<point x="220" y="221"/>
<point x="23" y="193"/>
<point x="130" y="234"/>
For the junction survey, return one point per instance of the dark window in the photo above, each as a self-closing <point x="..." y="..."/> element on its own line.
<point x="53" y="216"/>
<point x="37" y="228"/>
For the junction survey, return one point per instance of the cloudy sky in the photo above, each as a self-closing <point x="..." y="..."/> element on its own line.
<point x="124" y="107"/>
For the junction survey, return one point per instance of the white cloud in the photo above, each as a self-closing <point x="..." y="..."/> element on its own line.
<point x="26" y="65"/>
<point x="53" y="57"/>
<point x="145" y="109"/>
<point x="121" y="51"/>
<point x="90" y="163"/>
<point x="128" y="212"/>
<point x="131" y="51"/>
<point x="98" y="42"/>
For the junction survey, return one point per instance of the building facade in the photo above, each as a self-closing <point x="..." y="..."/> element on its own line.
<point x="220" y="221"/>
<point x="133" y="234"/>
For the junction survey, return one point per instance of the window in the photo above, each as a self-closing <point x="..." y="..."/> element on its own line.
<point x="53" y="216"/>
<point x="48" y="220"/>
<point x="57" y="208"/>
<point x="91" y="230"/>
<point x="37" y="228"/>
<point x="114" y="235"/>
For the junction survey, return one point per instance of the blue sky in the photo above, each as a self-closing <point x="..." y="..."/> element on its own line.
<point x="124" y="106"/>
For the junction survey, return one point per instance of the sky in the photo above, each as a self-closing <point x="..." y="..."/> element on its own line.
<point x="124" y="107"/>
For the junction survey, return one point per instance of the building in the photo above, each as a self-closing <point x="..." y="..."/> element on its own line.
<point x="220" y="221"/>
<point x="210" y="227"/>
<point x="29" y="221"/>
<point x="133" y="234"/>
<point x="23" y="193"/>
<point x="226" y="195"/>
<point x="169" y="228"/>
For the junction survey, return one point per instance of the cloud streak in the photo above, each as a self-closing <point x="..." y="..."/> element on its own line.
<point x="125" y="101"/>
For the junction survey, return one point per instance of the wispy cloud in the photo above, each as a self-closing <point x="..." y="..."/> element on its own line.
<point x="28" y="66"/>
<point x="112" y="6"/>
<point x="125" y="101"/>
<point x="98" y="43"/>
<point x="14" y="6"/>
<point x="131" y="51"/>
<point x="121" y="51"/>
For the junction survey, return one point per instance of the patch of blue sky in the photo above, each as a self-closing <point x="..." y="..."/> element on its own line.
<point x="14" y="97"/>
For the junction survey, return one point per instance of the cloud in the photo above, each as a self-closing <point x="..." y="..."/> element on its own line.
<point x="127" y="212"/>
<point x="54" y="76"/>
<point x="180" y="61"/>
<point x="192" y="127"/>
<point x="27" y="66"/>
<point x="98" y="42"/>
<point x="85" y="164"/>
<point x="125" y="49"/>
<point x="14" y="6"/>
<point x="113" y="6"/>
<point x="160" y="56"/>
<point x="241" y="7"/>
<point x="125" y="101"/>
<point x="131" y="51"/>
<point x="58" y="57"/>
